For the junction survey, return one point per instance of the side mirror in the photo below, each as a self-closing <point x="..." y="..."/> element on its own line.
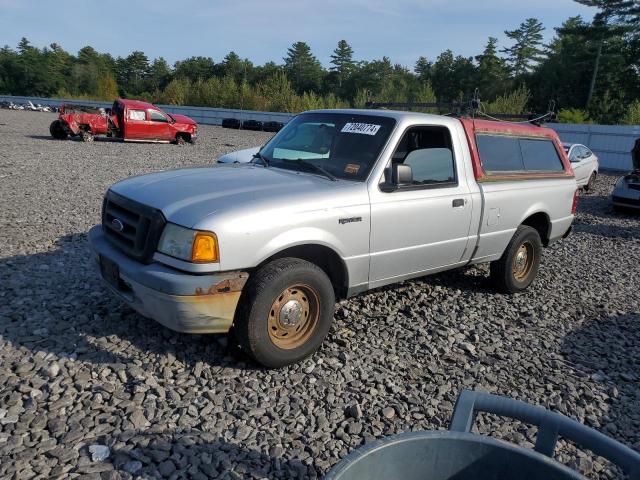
<point x="401" y="174"/>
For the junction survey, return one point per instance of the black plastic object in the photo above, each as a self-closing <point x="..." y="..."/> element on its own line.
<point x="231" y="123"/>
<point x="458" y="454"/>
<point x="272" y="126"/>
<point x="252" y="125"/>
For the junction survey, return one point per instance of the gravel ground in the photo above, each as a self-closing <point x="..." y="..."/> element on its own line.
<point x="80" y="372"/>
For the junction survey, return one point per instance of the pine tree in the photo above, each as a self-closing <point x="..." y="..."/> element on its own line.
<point x="626" y="12"/>
<point x="527" y="50"/>
<point x="423" y="68"/>
<point x="493" y="74"/>
<point x="159" y="74"/>
<point x="342" y="61"/>
<point x="303" y="68"/>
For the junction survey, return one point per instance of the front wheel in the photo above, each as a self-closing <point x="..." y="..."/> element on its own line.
<point x="591" y="183"/>
<point x="86" y="136"/>
<point x="285" y="312"/>
<point x="518" y="266"/>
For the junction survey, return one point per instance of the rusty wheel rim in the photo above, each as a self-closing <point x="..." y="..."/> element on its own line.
<point x="293" y="316"/>
<point x="523" y="261"/>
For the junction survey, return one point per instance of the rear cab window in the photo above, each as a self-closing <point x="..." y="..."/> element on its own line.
<point x="505" y="154"/>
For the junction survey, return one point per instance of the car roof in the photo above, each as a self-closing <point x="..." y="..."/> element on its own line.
<point x="135" y="103"/>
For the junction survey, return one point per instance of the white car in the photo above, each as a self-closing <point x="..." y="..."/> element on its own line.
<point x="241" y="156"/>
<point x="585" y="164"/>
<point x="626" y="192"/>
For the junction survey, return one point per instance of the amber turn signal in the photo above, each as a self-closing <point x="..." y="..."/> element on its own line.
<point x="205" y="248"/>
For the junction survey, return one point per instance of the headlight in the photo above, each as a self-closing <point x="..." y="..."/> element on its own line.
<point x="190" y="245"/>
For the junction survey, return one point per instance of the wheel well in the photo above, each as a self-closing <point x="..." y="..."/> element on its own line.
<point x="185" y="135"/>
<point x="325" y="258"/>
<point x="540" y="221"/>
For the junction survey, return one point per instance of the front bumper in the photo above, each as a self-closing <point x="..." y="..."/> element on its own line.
<point x="180" y="301"/>
<point x="624" y="201"/>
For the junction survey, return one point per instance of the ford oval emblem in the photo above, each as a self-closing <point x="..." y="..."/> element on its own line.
<point x="117" y="225"/>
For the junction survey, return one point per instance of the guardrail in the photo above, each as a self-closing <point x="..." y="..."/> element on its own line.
<point x="202" y="115"/>
<point x="611" y="143"/>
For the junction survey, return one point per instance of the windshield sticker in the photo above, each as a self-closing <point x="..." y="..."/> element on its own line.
<point x="351" y="168"/>
<point x="362" y="128"/>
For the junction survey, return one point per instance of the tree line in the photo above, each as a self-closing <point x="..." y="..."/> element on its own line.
<point x="591" y="69"/>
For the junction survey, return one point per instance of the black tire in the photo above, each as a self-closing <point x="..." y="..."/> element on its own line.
<point x="258" y="309"/>
<point x="591" y="183"/>
<point x="180" y="139"/>
<point x="505" y="272"/>
<point x="57" y="130"/>
<point x="86" y="136"/>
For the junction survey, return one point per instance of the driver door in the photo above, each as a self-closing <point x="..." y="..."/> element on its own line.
<point x="424" y="226"/>
<point x="159" y="126"/>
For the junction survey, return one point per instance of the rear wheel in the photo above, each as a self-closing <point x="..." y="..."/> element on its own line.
<point x="285" y="312"/>
<point x="591" y="183"/>
<point x="57" y="130"/>
<point x="518" y="266"/>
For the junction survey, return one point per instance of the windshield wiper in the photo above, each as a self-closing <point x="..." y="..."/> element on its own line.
<point x="317" y="168"/>
<point x="262" y="158"/>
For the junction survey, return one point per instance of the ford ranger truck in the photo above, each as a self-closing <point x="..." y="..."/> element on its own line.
<point x="336" y="203"/>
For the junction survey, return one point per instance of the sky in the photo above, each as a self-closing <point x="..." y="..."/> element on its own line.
<point x="262" y="30"/>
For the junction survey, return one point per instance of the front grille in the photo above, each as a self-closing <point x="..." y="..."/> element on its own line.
<point x="626" y="201"/>
<point x="132" y="227"/>
<point x="634" y="186"/>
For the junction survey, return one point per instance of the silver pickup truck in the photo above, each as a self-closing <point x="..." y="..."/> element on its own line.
<point x="336" y="203"/>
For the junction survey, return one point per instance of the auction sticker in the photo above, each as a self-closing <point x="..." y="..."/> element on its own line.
<point x="362" y="128"/>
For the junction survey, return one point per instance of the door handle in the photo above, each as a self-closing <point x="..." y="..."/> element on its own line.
<point x="457" y="203"/>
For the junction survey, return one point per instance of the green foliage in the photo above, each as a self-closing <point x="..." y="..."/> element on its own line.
<point x="107" y="88"/>
<point x="361" y="98"/>
<point x="512" y="102"/>
<point x="632" y="116"/>
<point x="176" y="92"/>
<point x="573" y="115"/>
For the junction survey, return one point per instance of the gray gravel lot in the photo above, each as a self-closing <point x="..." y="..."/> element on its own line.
<point x="79" y="370"/>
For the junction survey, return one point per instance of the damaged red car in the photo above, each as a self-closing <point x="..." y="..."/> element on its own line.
<point x="127" y="120"/>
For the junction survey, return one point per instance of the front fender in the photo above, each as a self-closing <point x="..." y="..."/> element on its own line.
<point x="299" y="236"/>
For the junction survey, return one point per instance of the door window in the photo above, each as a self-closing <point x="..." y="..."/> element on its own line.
<point x="574" y="156"/>
<point x="137" y="115"/>
<point x="156" y="116"/>
<point x="428" y="151"/>
<point x="584" y="152"/>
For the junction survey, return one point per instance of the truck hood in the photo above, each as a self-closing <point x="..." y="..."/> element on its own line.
<point x="183" y="119"/>
<point x="187" y="196"/>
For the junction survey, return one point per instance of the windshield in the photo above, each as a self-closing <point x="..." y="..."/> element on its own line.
<point x="344" y="145"/>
